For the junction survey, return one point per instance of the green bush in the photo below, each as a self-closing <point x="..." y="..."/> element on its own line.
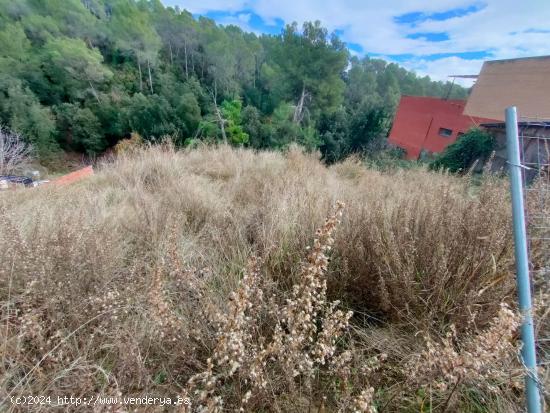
<point x="460" y="155"/>
<point x="231" y="111"/>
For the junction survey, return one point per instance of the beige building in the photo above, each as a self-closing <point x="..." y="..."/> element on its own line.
<point x="524" y="83"/>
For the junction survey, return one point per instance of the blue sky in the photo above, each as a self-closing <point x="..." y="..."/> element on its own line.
<point x="438" y="38"/>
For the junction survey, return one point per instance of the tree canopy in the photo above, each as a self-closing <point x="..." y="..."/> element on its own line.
<point x="81" y="75"/>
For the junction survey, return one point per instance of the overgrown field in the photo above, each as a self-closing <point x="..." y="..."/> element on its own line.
<point x="214" y="274"/>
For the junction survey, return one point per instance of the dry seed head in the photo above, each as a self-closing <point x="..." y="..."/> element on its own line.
<point x="484" y="357"/>
<point x="297" y="343"/>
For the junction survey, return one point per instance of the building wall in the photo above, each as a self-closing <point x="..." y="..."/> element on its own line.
<point x="418" y="121"/>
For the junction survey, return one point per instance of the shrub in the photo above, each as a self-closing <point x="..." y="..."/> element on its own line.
<point x="476" y="144"/>
<point x="389" y="159"/>
<point x="231" y="111"/>
<point x="134" y="143"/>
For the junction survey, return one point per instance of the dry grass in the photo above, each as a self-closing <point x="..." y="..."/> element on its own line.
<point x="186" y="273"/>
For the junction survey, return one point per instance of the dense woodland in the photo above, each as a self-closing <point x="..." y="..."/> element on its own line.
<point x="80" y="75"/>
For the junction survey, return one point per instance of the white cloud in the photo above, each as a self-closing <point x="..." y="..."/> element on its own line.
<point x="241" y="20"/>
<point x="442" y="68"/>
<point x="500" y="27"/>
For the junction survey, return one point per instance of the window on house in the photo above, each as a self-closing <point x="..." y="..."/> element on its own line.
<point x="445" y="132"/>
<point x="459" y="134"/>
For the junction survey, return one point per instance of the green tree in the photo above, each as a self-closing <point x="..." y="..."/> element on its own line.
<point x="334" y="130"/>
<point x="132" y="31"/>
<point x="71" y="17"/>
<point x="151" y="116"/>
<point x="231" y="111"/>
<point x="368" y="127"/>
<point x="179" y="34"/>
<point x="23" y="113"/>
<point x="79" y="129"/>
<point x="79" y="69"/>
<point x="361" y="85"/>
<point x="15" y="50"/>
<point x="219" y="60"/>
<point x="253" y="126"/>
<point x="188" y="113"/>
<point x="311" y="68"/>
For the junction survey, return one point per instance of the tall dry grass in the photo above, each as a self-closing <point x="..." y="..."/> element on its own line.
<point x="140" y="281"/>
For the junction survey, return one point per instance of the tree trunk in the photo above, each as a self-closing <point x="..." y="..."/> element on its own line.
<point x="69" y="136"/>
<point x="150" y="78"/>
<point x="298" y="111"/>
<point x="255" y="69"/>
<point x="221" y="121"/>
<point x="215" y="89"/>
<point x="140" y="77"/>
<point x="185" y="53"/>
<point x="171" y="55"/>
<point x="94" y="91"/>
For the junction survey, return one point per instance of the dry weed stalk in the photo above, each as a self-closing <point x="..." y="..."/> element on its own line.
<point x="235" y="348"/>
<point x="355" y="374"/>
<point x="304" y="338"/>
<point x="363" y="403"/>
<point x="298" y="342"/>
<point x="168" y="322"/>
<point x="487" y="357"/>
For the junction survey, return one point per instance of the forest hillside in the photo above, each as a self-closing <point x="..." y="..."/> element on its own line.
<point x="80" y="75"/>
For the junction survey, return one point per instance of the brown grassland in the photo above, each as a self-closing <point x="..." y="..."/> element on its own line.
<point x="261" y="282"/>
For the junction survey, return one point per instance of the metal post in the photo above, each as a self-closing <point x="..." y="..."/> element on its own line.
<point x="522" y="263"/>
